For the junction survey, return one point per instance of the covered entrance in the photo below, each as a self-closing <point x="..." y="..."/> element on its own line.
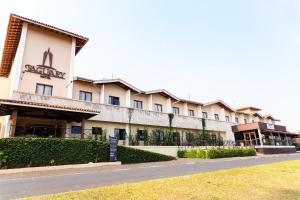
<point x="27" y="119"/>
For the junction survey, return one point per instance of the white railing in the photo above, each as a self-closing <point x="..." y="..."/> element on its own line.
<point x="50" y="100"/>
<point x="118" y="114"/>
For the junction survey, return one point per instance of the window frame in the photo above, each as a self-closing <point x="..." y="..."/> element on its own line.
<point x="217" y="118"/>
<point x="113" y="97"/>
<point x="191" y="111"/>
<point x="85" y="95"/>
<point x="44" y="89"/>
<point x="76" y="132"/>
<point x="136" y="102"/>
<point x="175" y="110"/>
<point x="156" y="105"/>
<point x="227" y="118"/>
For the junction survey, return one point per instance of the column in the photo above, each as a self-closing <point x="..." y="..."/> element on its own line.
<point x="260" y="137"/>
<point x="199" y="112"/>
<point x="102" y="94"/>
<point x="13" y="124"/>
<point x="222" y="115"/>
<point x="233" y="117"/>
<point x="71" y="73"/>
<point x="127" y="135"/>
<point x="211" y="114"/>
<point x="169" y="105"/>
<point x="150" y="102"/>
<point x="242" y="121"/>
<point x="185" y="109"/>
<point x="82" y="128"/>
<point x="128" y="99"/>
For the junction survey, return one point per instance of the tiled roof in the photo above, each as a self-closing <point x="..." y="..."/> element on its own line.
<point x="13" y="35"/>
<point x="36" y="104"/>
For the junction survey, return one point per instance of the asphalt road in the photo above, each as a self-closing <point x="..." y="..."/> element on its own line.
<point x="31" y="185"/>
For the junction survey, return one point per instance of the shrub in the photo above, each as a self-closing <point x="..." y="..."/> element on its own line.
<point x="217" y="153"/>
<point x="33" y="152"/>
<point x="131" y="155"/>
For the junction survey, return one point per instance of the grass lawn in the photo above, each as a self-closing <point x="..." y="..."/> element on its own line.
<point x="272" y="181"/>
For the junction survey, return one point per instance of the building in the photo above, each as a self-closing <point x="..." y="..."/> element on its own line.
<point x="40" y="97"/>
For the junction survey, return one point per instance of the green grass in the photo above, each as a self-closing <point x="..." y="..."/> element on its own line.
<point x="272" y="181"/>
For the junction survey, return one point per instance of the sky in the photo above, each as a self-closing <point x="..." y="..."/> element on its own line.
<point x="242" y="52"/>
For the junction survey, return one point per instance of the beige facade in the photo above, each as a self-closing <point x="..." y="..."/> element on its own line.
<point x="53" y="50"/>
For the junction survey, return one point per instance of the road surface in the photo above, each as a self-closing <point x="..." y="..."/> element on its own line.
<point x="31" y="184"/>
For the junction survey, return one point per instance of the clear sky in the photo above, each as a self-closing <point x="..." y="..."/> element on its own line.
<point x="243" y="52"/>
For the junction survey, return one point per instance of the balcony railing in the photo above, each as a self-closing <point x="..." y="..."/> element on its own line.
<point x="51" y="100"/>
<point x="111" y="113"/>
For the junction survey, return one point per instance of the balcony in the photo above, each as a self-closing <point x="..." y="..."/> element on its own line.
<point x="111" y="113"/>
<point x="55" y="102"/>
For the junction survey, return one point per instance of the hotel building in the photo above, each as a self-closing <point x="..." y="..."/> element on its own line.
<point x="41" y="97"/>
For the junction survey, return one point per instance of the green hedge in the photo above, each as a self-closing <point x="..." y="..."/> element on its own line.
<point x="131" y="155"/>
<point x="216" y="153"/>
<point x="33" y="152"/>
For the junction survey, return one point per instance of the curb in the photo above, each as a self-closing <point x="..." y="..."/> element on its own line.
<point x="59" y="167"/>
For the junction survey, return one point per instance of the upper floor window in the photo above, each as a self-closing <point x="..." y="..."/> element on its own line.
<point x="158" y="107"/>
<point x="176" y="110"/>
<point x="204" y="114"/>
<point x="114" y="101"/>
<point x="237" y="120"/>
<point x="246" y="121"/>
<point x="85" y="96"/>
<point x="227" y="118"/>
<point x="43" y="89"/>
<point x="191" y="113"/>
<point x="138" y="104"/>
<point x="216" y="117"/>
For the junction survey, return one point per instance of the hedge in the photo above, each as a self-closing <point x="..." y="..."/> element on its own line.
<point x="216" y="153"/>
<point x="34" y="152"/>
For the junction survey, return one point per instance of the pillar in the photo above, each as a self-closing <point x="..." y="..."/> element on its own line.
<point x="185" y="109"/>
<point x="260" y="137"/>
<point x="71" y="73"/>
<point x="222" y="115"/>
<point x="102" y="94"/>
<point x="233" y="117"/>
<point x="127" y="135"/>
<point x="150" y="102"/>
<point x="13" y="124"/>
<point x="169" y="105"/>
<point x="199" y="112"/>
<point x="82" y="127"/>
<point x="128" y="99"/>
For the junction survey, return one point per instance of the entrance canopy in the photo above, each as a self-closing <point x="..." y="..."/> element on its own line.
<point x="44" y="110"/>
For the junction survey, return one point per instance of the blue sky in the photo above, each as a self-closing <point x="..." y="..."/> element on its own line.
<point x="243" y="52"/>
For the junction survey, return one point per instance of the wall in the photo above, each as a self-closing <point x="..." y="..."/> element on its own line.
<point x="87" y="87"/>
<point x="115" y="90"/>
<point x="159" y="99"/>
<point x="38" y="41"/>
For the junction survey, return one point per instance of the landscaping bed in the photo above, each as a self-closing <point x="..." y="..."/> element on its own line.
<point x="34" y="152"/>
<point x="216" y="153"/>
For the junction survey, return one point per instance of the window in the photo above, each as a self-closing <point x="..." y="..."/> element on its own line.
<point x="43" y="89"/>
<point x="160" y="135"/>
<point x="76" y="129"/>
<point x="227" y="118"/>
<point x="246" y="121"/>
<point x="176" y="110"/>
<point x="204" y="115"/>
<point x="114" y="101"/>
<point x="138" y="104"/>
<point x="191" y="113"/>
<point x="141" y="135"/>
<point x="216" y="117"/>
<point x="158" y="107"/>
<point x="237" y="120"/>
<point x="120" y="134"/>
<point x="85" y="96"/>
<point x="97" y="131"/>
